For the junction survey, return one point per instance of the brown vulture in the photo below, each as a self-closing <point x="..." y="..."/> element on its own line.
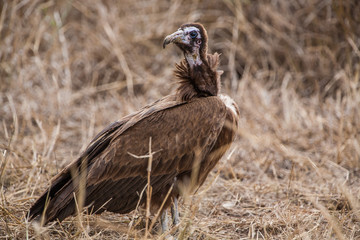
<point x="190" y="130"/>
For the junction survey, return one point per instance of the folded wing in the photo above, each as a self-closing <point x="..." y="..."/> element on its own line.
<point x="180" y="132"/>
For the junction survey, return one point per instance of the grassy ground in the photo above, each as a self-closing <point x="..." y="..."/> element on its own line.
<point x="69" y="68"/>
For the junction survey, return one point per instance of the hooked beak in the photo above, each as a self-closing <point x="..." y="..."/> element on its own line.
<point x="175" y="37"/>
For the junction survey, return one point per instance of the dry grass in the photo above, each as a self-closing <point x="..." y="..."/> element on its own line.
<point x="69" y="68"/>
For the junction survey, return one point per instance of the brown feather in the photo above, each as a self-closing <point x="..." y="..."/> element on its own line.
<point x="115" y="166"/>
<point x="192" y="124"/>
<point x="190" y="82"/>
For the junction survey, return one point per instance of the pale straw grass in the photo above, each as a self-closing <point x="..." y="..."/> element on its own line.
<point x="69" y="68"/>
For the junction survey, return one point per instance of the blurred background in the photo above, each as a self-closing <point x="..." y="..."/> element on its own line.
<point x="69" y="68"/>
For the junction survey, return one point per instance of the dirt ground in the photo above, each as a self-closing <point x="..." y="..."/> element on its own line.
<point x="70" y="68"/>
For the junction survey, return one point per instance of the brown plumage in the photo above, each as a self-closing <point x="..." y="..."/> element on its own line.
<point x="194" y="123"/>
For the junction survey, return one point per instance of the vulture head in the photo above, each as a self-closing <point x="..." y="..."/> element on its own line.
<point x="191" y="38"/>
<point x="198" y="73"/>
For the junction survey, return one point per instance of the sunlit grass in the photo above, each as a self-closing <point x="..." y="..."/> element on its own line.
<point x="69" y="68"/>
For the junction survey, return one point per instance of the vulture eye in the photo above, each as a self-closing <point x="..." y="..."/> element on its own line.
<point x="193" y="34"/>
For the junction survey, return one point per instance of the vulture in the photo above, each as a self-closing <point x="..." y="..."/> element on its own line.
<point x="185" y="134"/>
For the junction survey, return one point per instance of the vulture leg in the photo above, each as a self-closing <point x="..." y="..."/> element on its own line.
<point x="164" y="221"/>
<point x="175" y="212"/>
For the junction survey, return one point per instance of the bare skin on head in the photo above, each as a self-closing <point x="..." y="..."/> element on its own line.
<point x="189" y="40"/>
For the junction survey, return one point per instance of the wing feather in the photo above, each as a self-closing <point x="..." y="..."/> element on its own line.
<point x="177" y="130"/>
<point x="174" y="132"/>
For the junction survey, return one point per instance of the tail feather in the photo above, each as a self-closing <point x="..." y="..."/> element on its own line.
<point x="57" y="202"/>
<point x="43" y="206"/>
